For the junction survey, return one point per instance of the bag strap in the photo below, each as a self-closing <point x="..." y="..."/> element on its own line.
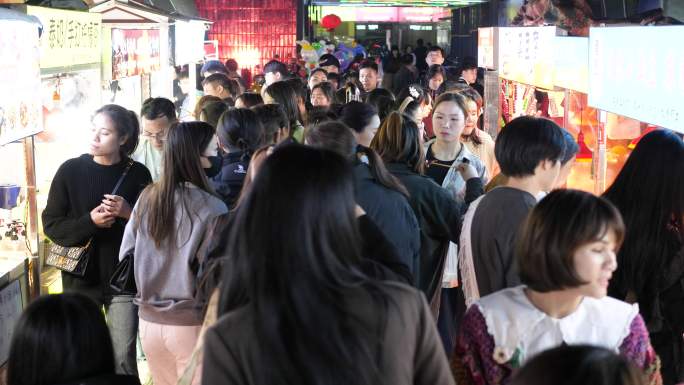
<point x="121" y="179"/>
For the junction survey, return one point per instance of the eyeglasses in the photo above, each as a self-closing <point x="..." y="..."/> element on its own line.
<point x="160" y="136"/>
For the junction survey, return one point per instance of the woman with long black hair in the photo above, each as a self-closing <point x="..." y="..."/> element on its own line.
<point x="170" y="234"/>
<point x="649" y="192"/>
<point x="294" y="308"/>
<point x="80" y="208"/>
<point x="379" y="193"/>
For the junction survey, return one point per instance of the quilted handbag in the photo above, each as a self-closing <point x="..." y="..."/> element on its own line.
<point x="74" y="260"/>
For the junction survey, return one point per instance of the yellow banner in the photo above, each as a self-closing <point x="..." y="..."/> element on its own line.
<point x="69" y="38"/>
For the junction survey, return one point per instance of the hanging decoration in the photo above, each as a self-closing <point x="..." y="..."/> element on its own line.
<point x="330" y="22"/>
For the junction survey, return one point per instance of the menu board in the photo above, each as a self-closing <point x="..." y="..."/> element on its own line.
<point x="571" y="59"/>
<point x="10" y="310"/>
<point x="20" y="105"/>
<point x="526" y="55"/>
<point x="638" y="72"/>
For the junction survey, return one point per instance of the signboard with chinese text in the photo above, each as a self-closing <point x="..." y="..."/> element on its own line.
<point x="638" y="72"/>
<point x="134" y="52"/>
<point x="486" y="47"/>
<point x="571" y="63"/>
<point x="69" y="37"/>
<point x="20" y="107"/>
<point x="526" y="55"/>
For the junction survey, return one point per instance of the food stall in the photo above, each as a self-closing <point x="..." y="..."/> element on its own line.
<point x="70" y="61"/>
<point x="540" y="72"/>
<point x="136" y="53"/>
<point x="20" y="119"/>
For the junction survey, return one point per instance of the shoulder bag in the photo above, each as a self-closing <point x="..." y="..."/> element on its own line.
<point x="74" y="260"/>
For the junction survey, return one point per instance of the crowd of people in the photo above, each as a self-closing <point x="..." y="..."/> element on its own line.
<point x="303" y="235"/>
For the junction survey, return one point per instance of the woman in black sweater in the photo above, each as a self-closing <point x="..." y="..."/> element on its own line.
<point x="80" y="207"/>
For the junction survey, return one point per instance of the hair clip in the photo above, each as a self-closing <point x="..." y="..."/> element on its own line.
<point x="414" y="92"/>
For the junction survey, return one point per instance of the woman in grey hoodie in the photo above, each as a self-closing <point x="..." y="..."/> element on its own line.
<point x="169" y="235"/>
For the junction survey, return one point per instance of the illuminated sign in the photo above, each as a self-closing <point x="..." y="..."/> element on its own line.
<point x="20" y="107"/>
<point x="571" y="63"/>
<point x="134" y="52"/>
<point x="388" y="14"/>
<point x="69" y="37"/>
<point x="638" y="72"/>
<point x="526" y="55"/>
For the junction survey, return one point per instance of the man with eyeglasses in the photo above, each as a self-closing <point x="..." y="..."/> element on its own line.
<point x="158" y="114"/>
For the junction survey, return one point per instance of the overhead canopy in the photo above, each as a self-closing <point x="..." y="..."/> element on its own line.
<point x="176" y="7"/>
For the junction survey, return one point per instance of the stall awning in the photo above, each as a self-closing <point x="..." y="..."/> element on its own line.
<point x="185" y="8"/>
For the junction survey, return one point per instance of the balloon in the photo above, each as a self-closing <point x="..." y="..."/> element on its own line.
<point x="345" y="56"/>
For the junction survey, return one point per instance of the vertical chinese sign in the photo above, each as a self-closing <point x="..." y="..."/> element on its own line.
<point x="20" y="106"/>
<point x="134" y="52"/>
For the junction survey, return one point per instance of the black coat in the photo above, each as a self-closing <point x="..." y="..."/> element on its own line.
<point x="228" y="182"/>
<point x="392" y="213"/>
<point x="440" y="219"/>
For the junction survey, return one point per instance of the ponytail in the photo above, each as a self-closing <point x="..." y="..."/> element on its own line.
<point x="126" y="124"/>
<point x="241" y="128"/>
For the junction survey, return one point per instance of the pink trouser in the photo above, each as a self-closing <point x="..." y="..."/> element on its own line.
<point x="168" y="349"/>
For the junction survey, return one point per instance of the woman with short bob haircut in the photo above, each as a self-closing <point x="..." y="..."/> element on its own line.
<point x="563" y="300"/>
<point x="399" y="144"/>
<point x="579" y="365"/>
<point x="63" y="339"/>
<point x="360" y="331"/>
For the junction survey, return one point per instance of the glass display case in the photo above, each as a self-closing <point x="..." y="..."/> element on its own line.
<point x="19" y="269"/>
<point x="605" y="139"/>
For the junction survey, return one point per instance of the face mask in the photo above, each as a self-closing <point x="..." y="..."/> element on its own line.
<point x="215" y="168"/>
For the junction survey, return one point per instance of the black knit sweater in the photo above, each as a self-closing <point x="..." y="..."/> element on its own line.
<point x="78" y="187"/>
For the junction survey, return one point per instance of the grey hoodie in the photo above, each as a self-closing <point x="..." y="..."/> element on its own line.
<point x="165" y="279"/>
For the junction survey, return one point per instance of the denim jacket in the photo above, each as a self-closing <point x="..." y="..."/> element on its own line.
<point x="453" y="182"/>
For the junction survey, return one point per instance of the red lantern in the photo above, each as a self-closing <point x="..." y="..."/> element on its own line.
<point x="330" y="22"/>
